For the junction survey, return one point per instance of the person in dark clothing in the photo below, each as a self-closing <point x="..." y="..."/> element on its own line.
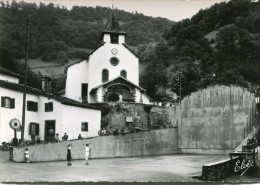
<point x="79" y="137"/>
<point x="69" y="154"/>
<point x="15" y="141"/>
<point x="116" y="132"/>
<point x="65" y="137"/>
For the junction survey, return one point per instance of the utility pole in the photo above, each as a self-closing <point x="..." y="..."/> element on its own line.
<point x="179" y="82"/>
<point x="180" y="86"/>
<point x="25" y="77"/>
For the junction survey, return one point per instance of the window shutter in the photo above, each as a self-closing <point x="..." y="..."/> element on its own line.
<point x="28" y="105"/>
<point x="46" y="107"/>
<point x="30" y="129"/>
<point x="2" y="101"/>
<point x="82" y="126"/>
<point x="12" y="103"/>
<point x="51" y="106"/>
<point x="36" y="107"/>
<point x="37" y="129"/>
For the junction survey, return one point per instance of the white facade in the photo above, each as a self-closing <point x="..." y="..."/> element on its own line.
<point x="145" y="99"/>
<point x="72" y="124"/>
<point x="100" y="60"/>
<point x="76" y="75"/>
<point x="9" y="78"/>
<point x="67" y="118"/>
<point x="90" y="71"/>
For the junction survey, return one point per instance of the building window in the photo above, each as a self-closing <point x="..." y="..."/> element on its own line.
<point x="34" y="129"/>
<point x="123" y="73"/>
<point x="114" y="61"/>
<point x="32" y="106"/>
<point x="84" y="126"/>
<point x="7" y="102"/>
<point x="105" y="75"/>
<point x="49" y="107"/>
<point x="114" y="39"/>
<point x="84" y="92"/>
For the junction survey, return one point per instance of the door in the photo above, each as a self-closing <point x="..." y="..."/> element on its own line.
<point x="49" y="129"/>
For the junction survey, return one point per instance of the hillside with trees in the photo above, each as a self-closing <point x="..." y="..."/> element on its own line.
<point x="58" y="34"/>
<point x="218" y="45"/>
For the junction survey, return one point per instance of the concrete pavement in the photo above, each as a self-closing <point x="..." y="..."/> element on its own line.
<point x="167" y="168"/>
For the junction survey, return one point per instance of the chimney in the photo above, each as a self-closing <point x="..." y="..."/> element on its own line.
<point x="46" y="84"/>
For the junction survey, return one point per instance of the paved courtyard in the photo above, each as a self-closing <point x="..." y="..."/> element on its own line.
<point x="167" y="168"/>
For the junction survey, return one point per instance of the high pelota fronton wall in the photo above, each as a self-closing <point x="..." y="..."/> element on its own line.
<point x="215" y="119"/>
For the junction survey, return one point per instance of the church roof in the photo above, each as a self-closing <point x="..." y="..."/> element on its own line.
<point x="119" y="79"/>
<point x="113" y="26"/>
<point x="127" y="47"/>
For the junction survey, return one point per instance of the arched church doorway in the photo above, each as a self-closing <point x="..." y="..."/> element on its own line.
<point x="113" y="97"/>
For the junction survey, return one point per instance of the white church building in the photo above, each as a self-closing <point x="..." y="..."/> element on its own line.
<point x="110" y="74"/>
<point x="44" y="111"/>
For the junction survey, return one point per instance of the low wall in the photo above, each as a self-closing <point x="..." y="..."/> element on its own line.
<point x="217" y="170"/>
<point x="242" y="165"/>
<point x="155" y="142"/>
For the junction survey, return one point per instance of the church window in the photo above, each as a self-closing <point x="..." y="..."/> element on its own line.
<point x="105" y="75"/>
<point x="114" y="61"/>
<point x="114" y="39"/>
<point x="123" y="73"/>
<point x="84" y="91"/>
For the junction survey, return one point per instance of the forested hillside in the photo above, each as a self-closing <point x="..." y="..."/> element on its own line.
<point x="218" y="45"/>
<point x="58" y="34"/>
<point x="56" y="31"/>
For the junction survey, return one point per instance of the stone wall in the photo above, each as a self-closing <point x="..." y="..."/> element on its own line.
<point x="215" y="120"/>
<point x="144" y="116"/>
<point x="155" y="142"/>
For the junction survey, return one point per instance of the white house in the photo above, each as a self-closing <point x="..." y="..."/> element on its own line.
<point x="44" y="111"/>
<point x="111" y="72"/>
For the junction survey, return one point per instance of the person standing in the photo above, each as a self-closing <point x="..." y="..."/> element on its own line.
<point x="87" y="151"/>
<point x="26" y="155"/>
<point x="69" y="154"/>
<point x="65" y="137"/>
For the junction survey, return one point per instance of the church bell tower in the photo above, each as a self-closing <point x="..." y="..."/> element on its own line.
<point x="113" y="33"/>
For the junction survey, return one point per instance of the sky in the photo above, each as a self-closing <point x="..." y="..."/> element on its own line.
<point x="174" y="10"/>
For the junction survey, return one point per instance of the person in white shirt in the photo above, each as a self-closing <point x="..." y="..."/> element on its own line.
<point x="87" y="151"/>
<point x="26" y="155"/>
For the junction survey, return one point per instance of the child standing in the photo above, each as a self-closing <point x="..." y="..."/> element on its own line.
<point x="26" y="155"/>
<point x="87" y="150"/>
<point x="69" y="154"/>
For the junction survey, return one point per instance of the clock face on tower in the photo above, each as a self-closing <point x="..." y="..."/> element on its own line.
<point x="114" y="51"/>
